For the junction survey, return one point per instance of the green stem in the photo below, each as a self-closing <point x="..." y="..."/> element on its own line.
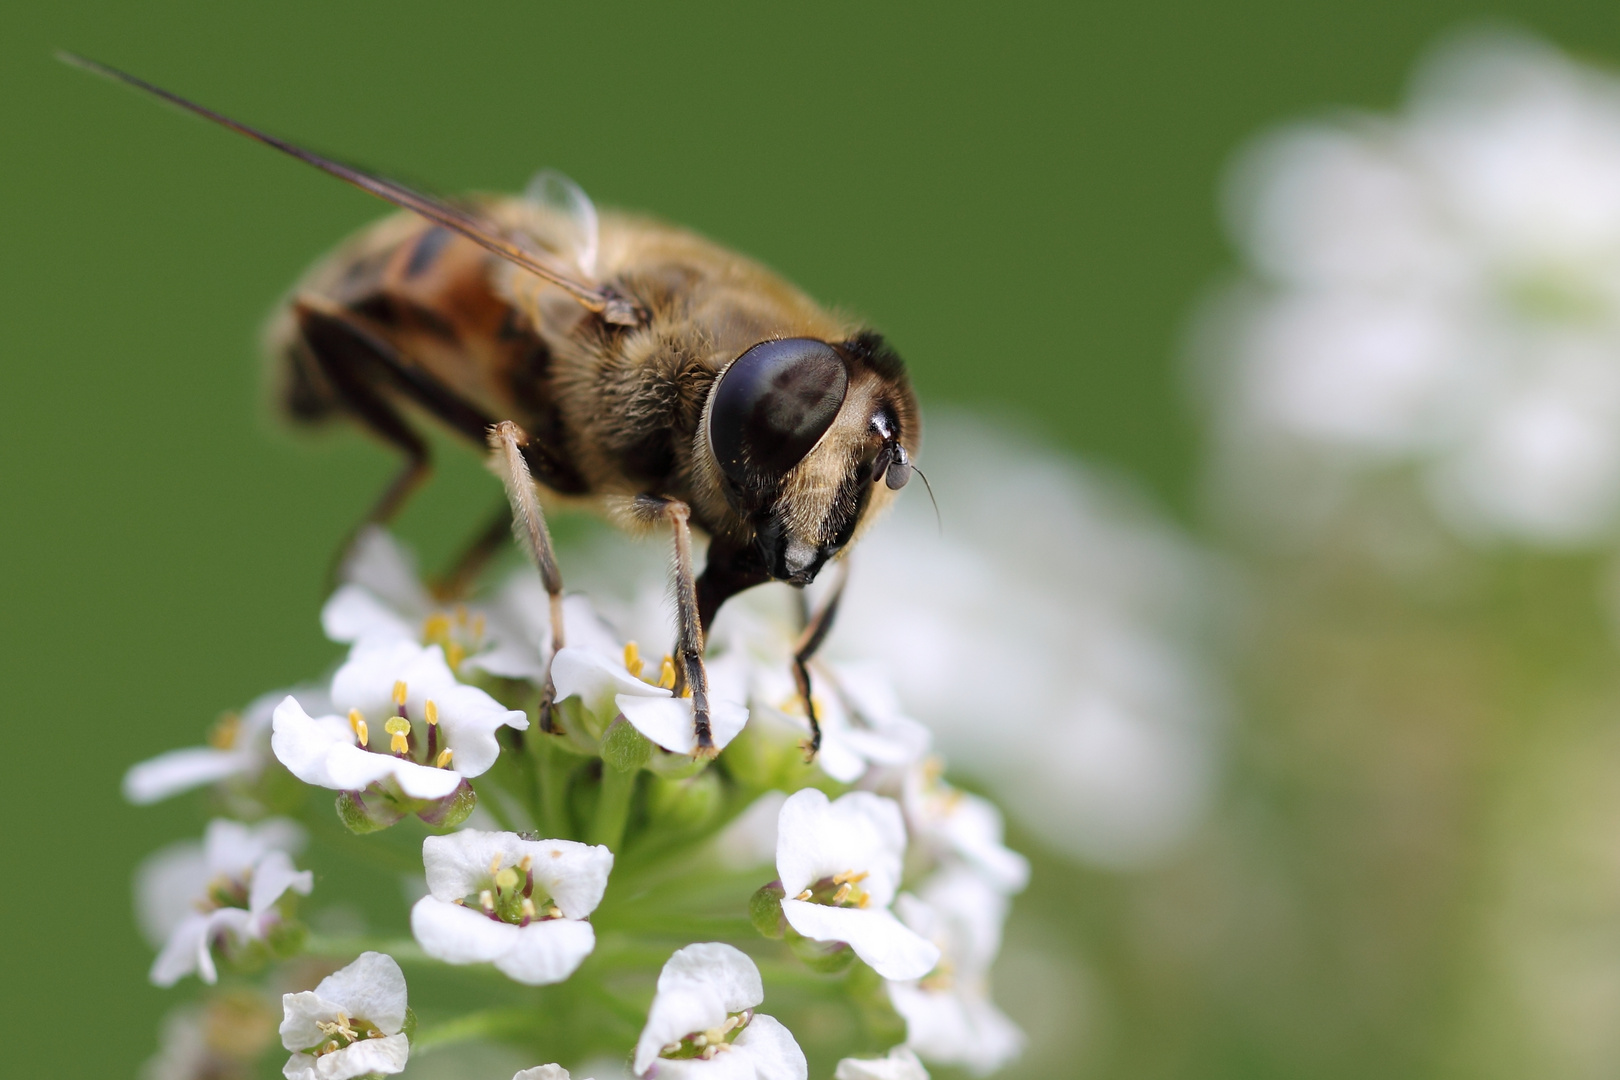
<point x="490" y="1023"/>
<point x="613" y="806"/>
<point x="552" y="767"/>
<point x="403" y="950"/>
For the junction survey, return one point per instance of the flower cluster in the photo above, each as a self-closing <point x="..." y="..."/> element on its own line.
<point x="1435" y="292"/>
<point x="537" y="836"/>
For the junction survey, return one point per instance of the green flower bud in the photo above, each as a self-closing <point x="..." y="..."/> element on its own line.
<point x="367" y="812"/>
<point x="685" y="805"/>
<point x="452" y="810"/>
<point x="822" y="957"/>
<point x="626" y="749"/>
<point x="765" y="910"/>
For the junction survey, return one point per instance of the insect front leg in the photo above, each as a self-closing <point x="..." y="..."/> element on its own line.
<point x="691" y="679"/>
<point x="816" y="627"/>
<point x="506" y="442"/>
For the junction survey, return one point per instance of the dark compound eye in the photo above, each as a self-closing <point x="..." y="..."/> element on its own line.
<point x="772" y="404"/>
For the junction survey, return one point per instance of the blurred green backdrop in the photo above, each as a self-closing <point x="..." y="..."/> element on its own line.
<point x="1021" y="196"/>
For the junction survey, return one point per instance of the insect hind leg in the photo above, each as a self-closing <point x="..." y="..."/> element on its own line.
<point x="817" y="626"/>
<point x="348" y="357"/>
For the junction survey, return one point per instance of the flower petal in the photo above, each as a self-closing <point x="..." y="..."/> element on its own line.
<point x="372" y="988"/>
<point x="668" y="721"/>
<point x="572" y="874"/>
<point x="368" y="1057"/>
<point x="548" y="951"/>
<point x="901" y="1064"/>
<point x="956" y="1027"/>
<point x="274" y="875"/>
<point x="766" y="1050"/>
<point x="457" y="934"/>
<point x="354" y="614"/>
<point x="698" y="988"/>
<point x="894" y="950"/>
<point x="301" y="742"/>
<point x="180" y="956"/>
<point x="542" y="1072"/>
<point x="596" y="680"/>
<point x="169" y="774"/>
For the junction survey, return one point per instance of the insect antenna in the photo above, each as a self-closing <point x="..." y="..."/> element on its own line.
<point x="939" y="522"/>
<point x="605" y="302"/>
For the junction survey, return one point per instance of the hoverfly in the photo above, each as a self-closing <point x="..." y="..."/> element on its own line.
<point x="613" y="358"/>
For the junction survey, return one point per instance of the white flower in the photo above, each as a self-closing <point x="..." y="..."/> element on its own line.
<point x="220" y="1039"/>
<point x="238" y="746"/>
<point x="901" y="1064"/>
<point x="408" y="721"/>
<point x="543" y="1072"/>
<point x="607" y="687"/>
<point x="225" y="891"/>
<point x="1439" y="289"/>
<point x="350" y="1025"/>
<point x="839" y="864"/>
<point x="702" y="1024"/>
<point x="382" y="600"/>
<point x="861" y="718"/>
<point x="495" y="897"/>
<point x="954" y="824"/>
<point x="950" y="1019"/>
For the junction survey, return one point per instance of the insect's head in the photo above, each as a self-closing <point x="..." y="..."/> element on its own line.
<point x="806" y="436"/>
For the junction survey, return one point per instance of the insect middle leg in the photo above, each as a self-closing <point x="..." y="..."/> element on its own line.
<point x="817" y="625"/>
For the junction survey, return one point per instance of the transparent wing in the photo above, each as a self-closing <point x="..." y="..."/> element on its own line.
<point x="555" y="192"/>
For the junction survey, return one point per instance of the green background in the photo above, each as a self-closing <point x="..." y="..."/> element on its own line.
<point x="1022" y="197"/>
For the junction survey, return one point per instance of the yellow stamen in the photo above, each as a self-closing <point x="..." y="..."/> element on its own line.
<point x="459" y="902"/>
<point x="528" y="861"/>
<point x="362" y="734"/>
<point x="399" y="692"/>
<point x="495" y="864"/>
<point x="454" y="654"/>
<point x="486" y="900"/>
<point x="807" y="894"/>
<point x="528" y="908"/>
<point x="478" y="626"/>
<point x="666" y="674"/>
<point x="506" y="880"/>
<point x="443" y="761"/>
<point x="850" y="876"/>
<point x="398" y="728"/>
<point x="461" y="614"/>
<point x="222" y="736"/>
<point x="436" y="629"/>
<point x="632" y="658"/>
<point x="430" y="712"/>
<point x="866" y="898"/>
<point x="553" y="911"/>
<point x="843" y="893"/>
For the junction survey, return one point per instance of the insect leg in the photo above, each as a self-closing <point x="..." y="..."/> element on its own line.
<point x="816" y="628"/>
<point x="506" y="442"/>
<point x="455" y="581"/>
<point x="691" y="679"/>
<point x="347" y="359"/>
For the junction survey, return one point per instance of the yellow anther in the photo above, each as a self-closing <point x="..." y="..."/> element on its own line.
<point x="461" y="614"/>
<point x="222" y="736"/>
<point x="495" y="864"/>
<point x="528" y="908"/>
<point x="478" y="626"/>
<point x="436" y="628"/>
<point x="701" y="1040"/>
<point x="850" y="876"/>
<point x="399" y="744"/>
<point x="528" y="861"/>
<point x="454" y="654"/>
<point x="506" y="880"/>
<point x="843" y="893"/>
<point x="553" y="911"/>
<point x="866" y="898"/>
<point x="430" y="712"/>
<point x="362" y="734"/>
<point x="329" y="1048"/>
<point x="486" y="900"/>
<point x="399" y="692"/>
<point x="632" y="658"/>
<point x="459" y="902"/>
<point x="807" y="894"/>
<point x="443" y="761"/>
<point x="666" y="674"/>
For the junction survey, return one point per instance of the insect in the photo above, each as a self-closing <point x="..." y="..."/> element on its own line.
<point x="613" y="358"/>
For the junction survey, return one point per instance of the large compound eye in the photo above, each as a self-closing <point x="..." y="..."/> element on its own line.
<point x="772" y="404"/>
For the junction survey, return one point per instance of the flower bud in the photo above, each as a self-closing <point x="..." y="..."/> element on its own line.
<point x="822" y="957"/>
<point x="684" y="805"/>
<point x="367" y="812"/>
<point x="625" y="749"/>
<point x="765" y="910"/>
<point x="452" y="810"/>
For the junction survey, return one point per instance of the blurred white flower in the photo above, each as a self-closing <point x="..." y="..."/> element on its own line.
<point x="901" y="1064"/>
<point x="1439" y="289"/>
<point x="221" y="1038"/>
<point x="408" y="721"/>
<point x="350" y="1025"/>
<point x="238" y="747"/>
<point x="191" y="897"/>
<point x="495" y="897"/>
<point x="839" y="864"/>
<point x="702" y="1024"/>
<point x="950" y="1019"/>
<point x="543" y="1072"/>
<point x="952" y="824"/>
